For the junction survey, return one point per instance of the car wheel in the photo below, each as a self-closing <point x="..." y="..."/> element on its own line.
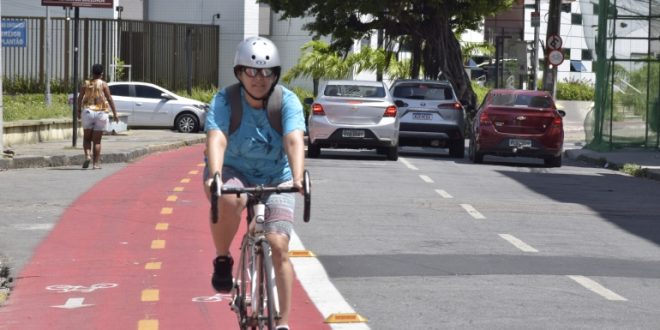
<point x="393" y="153"/>
<point x="457" y="148"/>
<point x="313" y="150"/>
<point x="553" y="161"/>
<point x="186" y="123"/>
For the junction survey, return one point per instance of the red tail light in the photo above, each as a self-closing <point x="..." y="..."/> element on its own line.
<point x="483" y="119"/>
<point x="455" y="106"/>
<point x="557" y="121"/>
<point x="390" y="111"/>
<point x="317" y="110"/>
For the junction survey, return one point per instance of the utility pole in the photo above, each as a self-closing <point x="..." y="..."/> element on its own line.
<point x="536" y="22"/>
<point x="48" y="57"/>
<point x="2" y="123"/>
<point x="554" y="22"/>
<point x="76" y="54"/>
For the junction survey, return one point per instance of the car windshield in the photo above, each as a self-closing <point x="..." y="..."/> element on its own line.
<point x="354" y="91"/>
<point x="532" y="101"/>
<point x="423" y="92"/>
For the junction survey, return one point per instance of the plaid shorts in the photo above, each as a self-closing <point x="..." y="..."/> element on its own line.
<point x="279" y="207"/>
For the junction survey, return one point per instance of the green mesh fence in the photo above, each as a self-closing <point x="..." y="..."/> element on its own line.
<point x="624" y="34"/>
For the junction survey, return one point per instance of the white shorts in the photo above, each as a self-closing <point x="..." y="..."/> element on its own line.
<point x="94" y="120"/>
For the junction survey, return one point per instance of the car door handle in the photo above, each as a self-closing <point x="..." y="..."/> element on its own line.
<point x="139" y="104"/>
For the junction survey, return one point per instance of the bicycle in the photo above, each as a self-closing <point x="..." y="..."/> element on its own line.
<point x="254" y="295"/>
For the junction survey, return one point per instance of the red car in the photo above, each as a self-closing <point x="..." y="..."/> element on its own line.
<point x="512" y="122"/>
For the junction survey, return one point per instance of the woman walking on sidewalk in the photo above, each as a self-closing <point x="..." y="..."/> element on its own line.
<point x="93" y="103"/>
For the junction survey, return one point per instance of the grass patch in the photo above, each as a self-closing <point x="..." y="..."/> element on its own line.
<point x="634" y="170"/>
<point x="33" y="106"/>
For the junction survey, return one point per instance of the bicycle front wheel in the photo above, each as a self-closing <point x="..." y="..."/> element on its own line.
<point x="266" y="306"/>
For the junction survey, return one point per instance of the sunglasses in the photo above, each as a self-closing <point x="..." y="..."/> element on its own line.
<point x="253" y="72"/>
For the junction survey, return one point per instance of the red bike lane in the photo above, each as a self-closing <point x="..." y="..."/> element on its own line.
<point x="133" y="252"/>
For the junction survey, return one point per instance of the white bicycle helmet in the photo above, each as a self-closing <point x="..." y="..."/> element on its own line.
<point x="257" y="52"/>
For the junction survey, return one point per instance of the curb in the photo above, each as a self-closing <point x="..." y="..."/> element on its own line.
<point x="601" y="161"/>
<point x="5" y="279"/>
<point x="112" y="157"/>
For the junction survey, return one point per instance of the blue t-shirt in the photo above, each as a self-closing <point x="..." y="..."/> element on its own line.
<point x="255" y="149"/>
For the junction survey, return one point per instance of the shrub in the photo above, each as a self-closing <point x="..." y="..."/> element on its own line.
<point x="575" y="90"/>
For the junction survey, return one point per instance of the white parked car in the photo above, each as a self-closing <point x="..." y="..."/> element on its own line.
<point x="149" y="105"/>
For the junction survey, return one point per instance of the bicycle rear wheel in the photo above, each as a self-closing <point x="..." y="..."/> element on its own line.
<point x="266" y="306"/>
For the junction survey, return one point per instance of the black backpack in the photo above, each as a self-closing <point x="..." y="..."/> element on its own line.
<point x="274" y="108"/>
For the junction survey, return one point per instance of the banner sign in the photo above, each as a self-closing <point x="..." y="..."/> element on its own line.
<point x="78" y="3"/>
<point x="14" y="33"/>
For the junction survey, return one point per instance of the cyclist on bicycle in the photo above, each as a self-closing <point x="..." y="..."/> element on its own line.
<point x="255" y="153"/>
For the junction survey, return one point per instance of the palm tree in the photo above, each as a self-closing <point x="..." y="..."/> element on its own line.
<point x="318" y="62"/>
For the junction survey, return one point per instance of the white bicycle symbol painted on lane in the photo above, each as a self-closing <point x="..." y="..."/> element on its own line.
<point x="63" y="288"/>
<point x="211" y="299"/>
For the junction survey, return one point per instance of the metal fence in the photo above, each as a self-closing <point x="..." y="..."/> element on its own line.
<point x="627" y="105"/>
<point x="171" y="55"/>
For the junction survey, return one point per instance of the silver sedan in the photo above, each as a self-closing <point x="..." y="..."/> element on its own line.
<point x="355" y="115"/>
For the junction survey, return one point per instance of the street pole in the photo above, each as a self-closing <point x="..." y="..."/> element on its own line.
<point x="535" y="49"/>
<point x="76" y="45"/>
<point x="48" y="57"/>
<point x="2" y="123"/>
<point x="554" y="22"/>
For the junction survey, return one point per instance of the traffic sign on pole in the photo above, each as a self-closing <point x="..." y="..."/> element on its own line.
<point x="554" y="42"/>
<point x="555" y="57"/>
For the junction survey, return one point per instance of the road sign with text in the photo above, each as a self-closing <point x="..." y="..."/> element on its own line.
<point x="78" y="3"/>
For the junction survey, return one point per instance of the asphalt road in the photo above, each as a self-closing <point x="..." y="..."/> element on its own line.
<point x="431" y="242"/>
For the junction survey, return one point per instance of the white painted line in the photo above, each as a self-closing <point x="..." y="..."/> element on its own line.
<point x="325" y="296"/>
<point x="472" y="211"/>
<point x="36" y="226"/>
<point x="408" y="164"/>
<point x="426" y="178"/>
<point x="597" y="288"/>
<point x="443" y="193"/>
<point x="518" y="243"/>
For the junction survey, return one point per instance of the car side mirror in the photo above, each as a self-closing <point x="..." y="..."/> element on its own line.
<point x="308" y="100"/>
<point x="399" y="103"/>
<point x="166" y="96"/>
<point x="562" y="113"/>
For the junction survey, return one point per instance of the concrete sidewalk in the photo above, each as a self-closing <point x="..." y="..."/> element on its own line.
<point x="123" y="147"/>
<point x="134" y="143"/>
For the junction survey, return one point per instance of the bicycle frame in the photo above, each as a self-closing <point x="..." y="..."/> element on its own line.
<point x="254" y="296"/>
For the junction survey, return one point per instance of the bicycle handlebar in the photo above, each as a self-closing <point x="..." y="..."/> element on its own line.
<point x="259" y="190"/>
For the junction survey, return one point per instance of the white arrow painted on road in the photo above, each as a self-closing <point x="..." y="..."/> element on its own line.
<point x="72" y="303"/>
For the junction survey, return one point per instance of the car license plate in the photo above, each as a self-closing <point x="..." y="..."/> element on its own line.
<point x="520" y="143"/>
<point x="421" y="116"/>
<point x="353" y="133"/>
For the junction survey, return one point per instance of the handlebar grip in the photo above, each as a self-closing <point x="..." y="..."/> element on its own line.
<point x="215" y="193"/>
<point x="307" y="193"/>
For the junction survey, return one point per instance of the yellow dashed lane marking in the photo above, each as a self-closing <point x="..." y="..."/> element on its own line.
<point x="148" y="325"/>
<point x="178" y="188"/>
<point x="166" y="210"/>
<point x="172" y="198"/>
<point x="185" y="180"/>
<point x="150" y="295"/>
<point x="193" y="172"/>
<point x="162" y="226"/>
<point x="153" y="265"/>
<point x="158" y="244"/>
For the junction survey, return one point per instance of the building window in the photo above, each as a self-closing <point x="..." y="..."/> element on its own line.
<point x="576" y="19"/>
<point x="577" y="66"/>
<point x="587" y="55"/>
<point x="566" y="7"/>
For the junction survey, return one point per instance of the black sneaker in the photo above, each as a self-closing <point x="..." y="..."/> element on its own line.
<point x="222" y="280"/>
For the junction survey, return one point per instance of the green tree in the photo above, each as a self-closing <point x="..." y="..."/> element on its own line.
<point x="318" y="61"/>
<point x="426" y="28"/>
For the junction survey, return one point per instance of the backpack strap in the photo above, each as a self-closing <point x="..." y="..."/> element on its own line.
<point x="236" y="106"/>
<point x="274" y="108"/>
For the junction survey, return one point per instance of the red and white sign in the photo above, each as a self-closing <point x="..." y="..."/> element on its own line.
<point x="78" y="3"/>
<point x="555" y="57"/>
<point x="554" y="42"/>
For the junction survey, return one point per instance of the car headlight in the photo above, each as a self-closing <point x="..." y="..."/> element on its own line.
<point x="204" y="107"/>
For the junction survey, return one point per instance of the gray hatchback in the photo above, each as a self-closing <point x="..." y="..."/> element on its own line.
<point x="430" y="115"/>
